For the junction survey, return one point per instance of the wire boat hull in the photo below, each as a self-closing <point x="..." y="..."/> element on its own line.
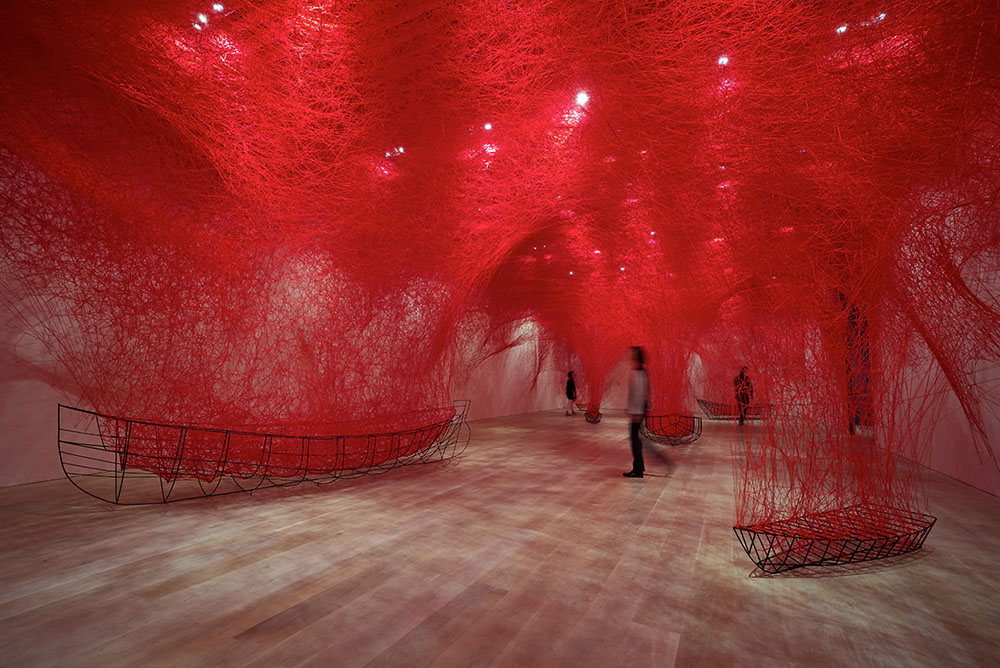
<point x="127" y="461"/>
<point x="834" y="537"/>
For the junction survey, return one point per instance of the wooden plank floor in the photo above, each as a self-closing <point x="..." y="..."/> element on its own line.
<point x="530" y="550"/>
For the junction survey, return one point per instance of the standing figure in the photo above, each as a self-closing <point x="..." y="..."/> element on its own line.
<point x="744" y="392"/>
<point x="570" y="394"/>
<point x="638" y="404"/>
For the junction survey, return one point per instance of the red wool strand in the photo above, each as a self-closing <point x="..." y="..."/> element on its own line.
<point x="286" y="213"/>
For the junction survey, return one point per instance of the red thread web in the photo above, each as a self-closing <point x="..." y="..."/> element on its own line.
<point x="288" y="213"/>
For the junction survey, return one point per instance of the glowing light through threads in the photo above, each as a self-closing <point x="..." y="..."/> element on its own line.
<point x="723" y="60"/>
<point x="841" y="30"/>
<point x="217" y="7"/>
<point x="488" y="126"/>
<point x="582" y="98"/>
<point x="202" y="18"/>
<point x="878" y="18"/>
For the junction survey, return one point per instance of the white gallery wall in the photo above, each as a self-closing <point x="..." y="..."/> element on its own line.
<point x="509" y="383"/>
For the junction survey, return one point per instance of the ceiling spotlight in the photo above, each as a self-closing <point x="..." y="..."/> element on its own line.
<point x="571" y="273"/>
<point x="582" y="98"/>
<point x="621" y="268"/>
<point x="723" y="60"/>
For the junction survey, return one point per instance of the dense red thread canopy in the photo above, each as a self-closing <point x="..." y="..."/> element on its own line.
<point x="267" y="213"/>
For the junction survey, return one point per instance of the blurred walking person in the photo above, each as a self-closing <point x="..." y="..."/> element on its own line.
<point x="638" y="404"/>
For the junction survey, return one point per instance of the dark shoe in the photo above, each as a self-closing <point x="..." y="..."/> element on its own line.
<point x="632" y="474"/>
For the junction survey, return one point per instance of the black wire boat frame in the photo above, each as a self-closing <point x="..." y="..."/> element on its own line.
<point x="834" y="537"/>
<point x="719" y="411"/>
<point x="134" y="462"/>
<point x="671" y="429"/>
<point x="592" y="415"/>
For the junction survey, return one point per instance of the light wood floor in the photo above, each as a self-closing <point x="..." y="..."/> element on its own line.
<point x="531" y="550"/>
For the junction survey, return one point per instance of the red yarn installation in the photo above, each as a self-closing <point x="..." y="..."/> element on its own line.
<point x="285" y="213"/>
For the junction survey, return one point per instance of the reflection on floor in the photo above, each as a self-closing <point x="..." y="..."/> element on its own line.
<point x="530" y="550"/>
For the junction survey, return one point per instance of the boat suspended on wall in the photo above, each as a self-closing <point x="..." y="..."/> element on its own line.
<point x="128" y="461"/>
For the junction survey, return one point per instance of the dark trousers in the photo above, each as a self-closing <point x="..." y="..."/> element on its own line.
<point x="637" y="463"/>
<point x="743" y="403"/>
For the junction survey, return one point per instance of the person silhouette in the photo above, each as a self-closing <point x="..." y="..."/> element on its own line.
<point x="638" y="404"/>
<point x="570" y="394"/>
<point x="744" y="392"/>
